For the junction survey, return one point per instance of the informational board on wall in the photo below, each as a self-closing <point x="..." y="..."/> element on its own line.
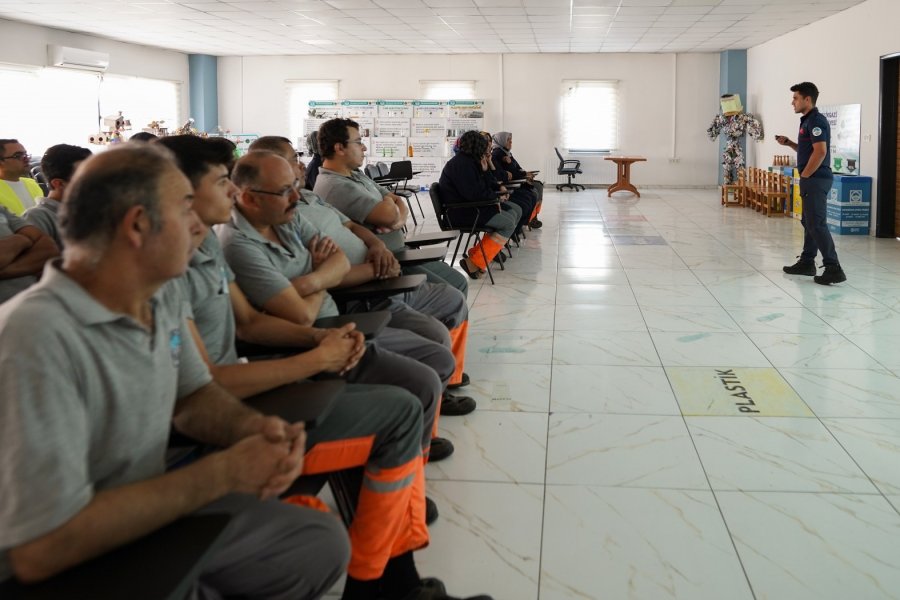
<point x="844" y="120"/>
<point x="422" y="131"/>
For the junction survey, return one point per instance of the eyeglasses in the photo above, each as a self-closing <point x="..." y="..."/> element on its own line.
<point x="284" y="193"/>
<point x="356" y="141"/>
<point x="17" y="156"/>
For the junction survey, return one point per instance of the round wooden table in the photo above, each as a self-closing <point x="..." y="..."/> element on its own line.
<point x="623" y="174"/>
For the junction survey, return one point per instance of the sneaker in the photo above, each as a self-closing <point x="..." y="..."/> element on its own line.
<point x="440" y="449"/>
<point x="455" y="406"/>
<point x="801" y="267"/>
<point x="431" y="511"/>
<point x="832" y="274"/>
<point x="465" y="381"/>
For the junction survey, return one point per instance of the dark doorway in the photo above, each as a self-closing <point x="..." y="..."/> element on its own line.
<point x="887" y="218"/>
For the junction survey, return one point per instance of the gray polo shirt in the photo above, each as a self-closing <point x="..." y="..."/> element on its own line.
<point x="205" y="286"/>
<point x="264" y="269"/>
<point x="86" y="400"/>
<point x="332" y="222"/>
<point x="45" y="216"/>
<point x="356" y="196"/>
<point x="9" y="224"/>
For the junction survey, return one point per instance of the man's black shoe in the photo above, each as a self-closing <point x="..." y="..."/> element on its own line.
<point x="455" y="406"/>
<point x="535" y="223"/>
<point x="832" y="274"/>
<point x="801" y="268"/>
<point x="440" y="449"/>
<point x="463" y="383"/>
<point x="434" y="589"/>
<point x="431" y="511"/>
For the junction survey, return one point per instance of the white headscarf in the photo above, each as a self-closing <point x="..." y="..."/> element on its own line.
<point x="501" y="139"/>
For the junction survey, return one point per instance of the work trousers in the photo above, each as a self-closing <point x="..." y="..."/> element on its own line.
<point x="816" y="237"/>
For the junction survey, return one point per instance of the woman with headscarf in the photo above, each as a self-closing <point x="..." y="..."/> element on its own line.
<point x="501" y="154"/>
<point x="465" y="179"/>
<point x="312" y="169"/>
<point x="525" y="198"/>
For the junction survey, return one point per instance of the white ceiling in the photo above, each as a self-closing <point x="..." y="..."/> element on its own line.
<point x="285" y="27"/>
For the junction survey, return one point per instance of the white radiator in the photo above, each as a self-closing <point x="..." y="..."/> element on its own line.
<point x="596" y="170"/>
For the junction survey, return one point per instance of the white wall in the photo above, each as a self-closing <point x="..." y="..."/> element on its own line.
<point x="26" y="44"/>
<point x="522" y="93"/>
<point x="840" y="55"/>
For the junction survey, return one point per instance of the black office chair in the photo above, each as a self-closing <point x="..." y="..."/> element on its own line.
<point x="474" y="231"/>
<point x="397" y="184"/>
<point x="569" y="168"/>
<point x="38" y="175"/>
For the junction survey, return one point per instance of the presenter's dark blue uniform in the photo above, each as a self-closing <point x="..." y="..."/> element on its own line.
<point x="815" y="189"/>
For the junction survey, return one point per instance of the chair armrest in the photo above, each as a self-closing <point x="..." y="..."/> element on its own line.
<point x="427" y="239"/>
<point x="307" y="401"/>
<point x="480" y="204"/>
<point x="160" y="566"/>
<point x="378" y="289"/>
<point x="577" y="163"/>
<point x="411" y="258"/>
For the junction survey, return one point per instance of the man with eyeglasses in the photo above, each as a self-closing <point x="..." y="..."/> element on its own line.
<point x="17" y="192"/>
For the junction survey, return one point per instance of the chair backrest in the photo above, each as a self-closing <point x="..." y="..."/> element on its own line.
<point x="38" y="175"/>
<point x="435" y="192"/>
<point x="372" y="171"/>
<point x="383" y="168"/>
<point x="401" y="169"/>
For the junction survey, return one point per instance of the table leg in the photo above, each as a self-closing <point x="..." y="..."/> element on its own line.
<point x="623" y="181"/>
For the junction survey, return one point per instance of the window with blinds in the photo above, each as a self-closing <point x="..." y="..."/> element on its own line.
<point x="447" y="90"/>
<point x="299" y="94"/>
<point x="590" y="116"/>
<point x="47" y="106"/>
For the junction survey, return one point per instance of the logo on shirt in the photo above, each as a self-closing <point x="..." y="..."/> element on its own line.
<point x="817" y="131"/>
<point x="175" y="346"/>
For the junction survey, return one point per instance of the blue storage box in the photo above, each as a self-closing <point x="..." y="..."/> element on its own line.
<point x="849" y="207"/>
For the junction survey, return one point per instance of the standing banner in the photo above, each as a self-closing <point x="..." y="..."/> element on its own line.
<point x="359" y="109"/>
<point x="844" y="120"/>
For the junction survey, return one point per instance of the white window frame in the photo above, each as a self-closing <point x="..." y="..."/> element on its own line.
<point x="59" y="106"/>
<point x="589" y="111"/>
<point x="446" y="89"/>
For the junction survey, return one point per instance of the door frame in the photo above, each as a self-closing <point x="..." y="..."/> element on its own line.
<point x="887" y="147"/>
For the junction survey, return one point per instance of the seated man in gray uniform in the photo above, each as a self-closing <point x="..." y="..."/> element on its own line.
<point x="368" y="425"/>
<point x="58" y="165"/>
<point x="341" y="184"/>
<point x="285" y="269"/>
<point x="82" y="444"/>
<point x="23" y="252"/>
<point x="370" y="259"/>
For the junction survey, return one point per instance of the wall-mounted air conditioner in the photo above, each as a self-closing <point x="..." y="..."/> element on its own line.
<point x="76" y="58"/>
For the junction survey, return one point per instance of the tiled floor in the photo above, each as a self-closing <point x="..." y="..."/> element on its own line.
<point x="609" y="460"/>
<point x="664" y="414"/>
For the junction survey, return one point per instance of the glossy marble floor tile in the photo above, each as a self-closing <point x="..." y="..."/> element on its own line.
<point x="812" y="351"/>
<point x="487" y="539"/>
<point x="493" y="446"/>
<point x="815" y="546"/>
<point x="509" y="387"/>
<point x="787" y="454"/>
<point x="847" y="392"/>
<point x="622" y="450"/>
<point x="609" y="457"/>
<point x="622" y="348"/>
<point x="875" y="445"/>
<point x="626" y="543"/>
<point x="707" y="349"/>
<point x="615" y="390"/>
<point x="599" y="317"/>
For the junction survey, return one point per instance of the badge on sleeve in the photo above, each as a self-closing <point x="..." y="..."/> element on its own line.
<point x="175" y="346"/>
<point x="817" y="131"/>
